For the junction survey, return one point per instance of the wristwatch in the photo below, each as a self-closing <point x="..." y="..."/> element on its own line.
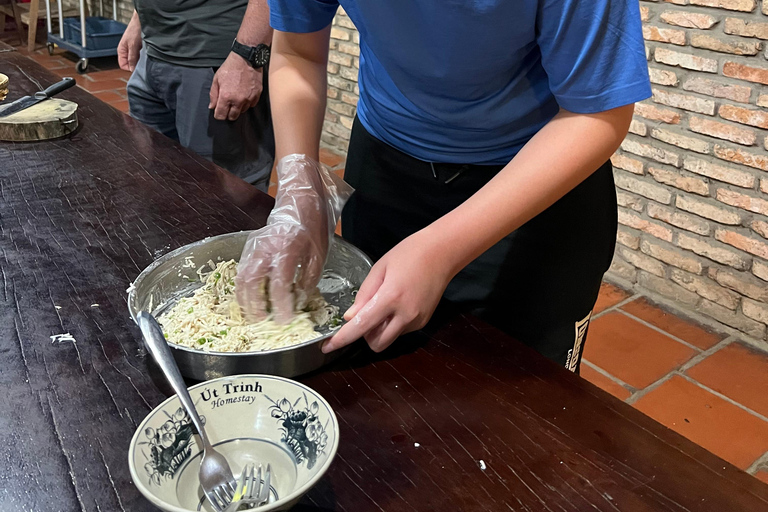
<point x="256" y="56"/>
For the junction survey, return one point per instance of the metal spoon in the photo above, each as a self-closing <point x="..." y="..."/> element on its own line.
<point x="215" y="473"/>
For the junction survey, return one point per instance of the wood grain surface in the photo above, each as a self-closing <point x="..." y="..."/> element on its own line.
<point x="456" y="417"/>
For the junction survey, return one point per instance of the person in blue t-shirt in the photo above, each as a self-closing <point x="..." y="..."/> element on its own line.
<point x="479" y="155"/>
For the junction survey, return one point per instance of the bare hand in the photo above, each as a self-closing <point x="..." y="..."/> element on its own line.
<point x="236" y="87"/>
<point x="398" y="296"/>
<point x="130" y="45"/>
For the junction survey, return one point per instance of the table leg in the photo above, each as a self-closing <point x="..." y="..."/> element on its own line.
<point x="34" y="12"/>
<point x="17" y="19"/>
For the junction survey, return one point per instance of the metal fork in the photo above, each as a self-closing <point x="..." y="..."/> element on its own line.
<point x="215" y="475"/>
<point x="250" y="490"/>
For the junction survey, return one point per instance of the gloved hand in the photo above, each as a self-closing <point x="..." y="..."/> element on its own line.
<point x="282" y="262"/>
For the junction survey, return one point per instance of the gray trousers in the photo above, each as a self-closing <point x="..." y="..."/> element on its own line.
<point x="174" y="100"/>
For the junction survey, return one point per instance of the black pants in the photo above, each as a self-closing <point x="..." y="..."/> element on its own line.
<point x="538" y="284"/>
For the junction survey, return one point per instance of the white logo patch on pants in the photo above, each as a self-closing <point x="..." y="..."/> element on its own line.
<point x="572" y="362"/>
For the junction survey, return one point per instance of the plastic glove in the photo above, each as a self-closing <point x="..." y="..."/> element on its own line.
<point x="282" y="262"/>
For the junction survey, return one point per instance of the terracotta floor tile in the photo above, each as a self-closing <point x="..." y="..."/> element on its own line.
<point x="633" y="352"/>
<point x="106" y="85"/>
<point x="604" y="383"/>
<point x="762" y="475"/>
<point x="685" y="330"/>
<point x="272" y="190"/>
<point x="330" y="158"/>
<point x="110" y="74"/>
<point x="739" y="372"/>
<point x="719" y="426"/>
<point x="609" y="296"/>
<point x="339" y="173"/>
<point x="109" y="96"/>
<point x="121" y="105"/>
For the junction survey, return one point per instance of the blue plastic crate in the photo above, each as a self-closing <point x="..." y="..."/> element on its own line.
<point x="100" y="33"/>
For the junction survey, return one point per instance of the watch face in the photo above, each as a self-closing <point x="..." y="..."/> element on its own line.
<point x="261" y="55"/>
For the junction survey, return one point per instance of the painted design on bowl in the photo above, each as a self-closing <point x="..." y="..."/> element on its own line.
<point x="168" y="446"/>
<point x="301" y="428"/>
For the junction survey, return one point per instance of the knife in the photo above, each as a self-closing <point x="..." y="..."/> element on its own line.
<point x="28" y="101"/>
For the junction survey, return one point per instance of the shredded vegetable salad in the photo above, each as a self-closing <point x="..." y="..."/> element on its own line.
<point x="211" y="319"/>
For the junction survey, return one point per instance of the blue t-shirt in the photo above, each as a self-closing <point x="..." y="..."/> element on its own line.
<point x="471" y="81"/>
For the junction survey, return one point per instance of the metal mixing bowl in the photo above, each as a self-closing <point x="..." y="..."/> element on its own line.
<point x="173" y="276"/>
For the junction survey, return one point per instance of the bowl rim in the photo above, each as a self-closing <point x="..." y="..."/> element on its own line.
<point x="297" y="493"/>
<point x="179" y="250"/>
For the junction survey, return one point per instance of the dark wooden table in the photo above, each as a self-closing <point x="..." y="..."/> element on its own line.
<point x="457" y="417"/>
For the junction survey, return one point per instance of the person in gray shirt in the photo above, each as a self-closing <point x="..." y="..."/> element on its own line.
<point x="199" y="76"/>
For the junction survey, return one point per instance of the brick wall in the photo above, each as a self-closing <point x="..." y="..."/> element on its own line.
<point x="692" y="176"/>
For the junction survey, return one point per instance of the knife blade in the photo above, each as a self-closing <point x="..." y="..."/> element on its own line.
<point x="28" y="101"/>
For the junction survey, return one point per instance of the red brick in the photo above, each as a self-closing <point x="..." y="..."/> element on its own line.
<point x="652" y="228"/>
<point x="685" y="60"/>
<point x="622" y="269"/>
<point x="742" y="242"/>
<point x="645" y="13"/>
<point x="742" y="283"/>
<point x="755" y="310"/>
<point x="718" y="254"/>
<point x="739" y="156"/>
<point x="764" y="185"/>
<point x="627" y="164"/>
<point x="688" y="19"/>
<point x="667" y="288"/>
<point x="657" y="114"/>
<point x="660" y="155"/>
<point x="681" y="141"/>
<point x="633" y="352"/>
<point x="671" y="257"/>
<point x="744" y="72"/>
<point x="733" y="47"/>
<point x="720" y="173"/>
<point x="684" y="102"/>
<point x="743" y="201"/>
<point x="677" y="180"/>
<point x="722" y="131"/>
<point x="629" y="201"/>
<point x="663" y="77"/>
<point x="643" y="188"/>
<point x="746" y="28"/>
<point x="672" y="324"/>
<point x="760" y="227"/>
<point x="604" y="383"/>
<point x="638" y="128"/>
<point x="609" y="296"/>
<point x="709" y="421"/>
<point x="707" y="210"/>
<point x="732" y="318"/>
<point x="760" y="270"/>
<point x="762" y="100"/>
<point x="664" y="35"/>
<point x="625" y="239"/>
<point x="642" y="261"/>
<point x="733" y="5"/>
<point x="740" y="93"/>
<point x="677" y="219"/>
<point x="705" y="288"/>
<point x="741" y="115"/>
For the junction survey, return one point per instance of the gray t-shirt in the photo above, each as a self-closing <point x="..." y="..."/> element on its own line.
<point x="194" y="33"/>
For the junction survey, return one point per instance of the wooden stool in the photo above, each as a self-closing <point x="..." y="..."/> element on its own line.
<point x="29" y="14"/>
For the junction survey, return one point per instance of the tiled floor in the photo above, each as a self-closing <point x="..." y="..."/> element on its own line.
<point x="707" y="386"/>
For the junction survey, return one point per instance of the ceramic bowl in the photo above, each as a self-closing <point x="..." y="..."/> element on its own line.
<point x="256" y="419"/>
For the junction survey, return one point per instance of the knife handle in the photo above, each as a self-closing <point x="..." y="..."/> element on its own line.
<point x="56" y="88"/>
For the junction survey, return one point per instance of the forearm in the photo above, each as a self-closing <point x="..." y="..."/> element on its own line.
<point x="564" y="153"/>
<point x="255" y="27"/>
<point x="297" y="76"/>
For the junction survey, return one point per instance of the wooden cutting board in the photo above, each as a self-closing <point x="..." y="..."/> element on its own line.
<point x="48" y="119"/>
